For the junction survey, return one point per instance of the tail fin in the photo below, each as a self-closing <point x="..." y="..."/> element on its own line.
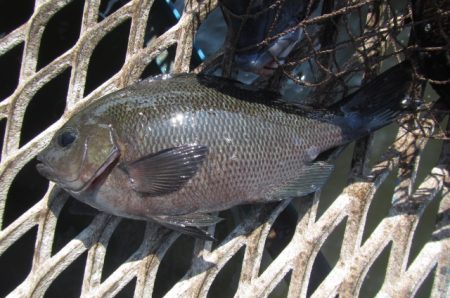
<point x="377" y="103"/>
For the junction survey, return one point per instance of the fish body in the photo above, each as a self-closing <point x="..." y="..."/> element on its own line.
<point x="174" y="150"/>
<point x="256" y="31"/>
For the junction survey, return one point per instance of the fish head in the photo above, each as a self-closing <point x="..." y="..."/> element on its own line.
<point x="79" y="154"/>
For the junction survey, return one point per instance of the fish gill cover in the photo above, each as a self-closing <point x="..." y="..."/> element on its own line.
<point x="378" y="227"/>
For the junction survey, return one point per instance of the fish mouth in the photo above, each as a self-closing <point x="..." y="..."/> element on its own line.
<point x="47" y="171"/>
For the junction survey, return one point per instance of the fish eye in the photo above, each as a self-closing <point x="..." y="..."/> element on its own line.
<point x="66" y="138"/>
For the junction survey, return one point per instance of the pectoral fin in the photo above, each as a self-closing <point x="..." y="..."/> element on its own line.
<point x="166" y="171"/>
<point x="310" y="179"/>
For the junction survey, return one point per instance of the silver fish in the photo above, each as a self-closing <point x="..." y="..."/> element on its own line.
<point x="257" y="30"/>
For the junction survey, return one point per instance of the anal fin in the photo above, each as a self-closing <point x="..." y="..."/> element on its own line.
<point x="310" y="179"/>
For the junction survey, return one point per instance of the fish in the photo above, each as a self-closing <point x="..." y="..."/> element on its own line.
<point x="267" y="20"/>
<point x="175" y="150"/>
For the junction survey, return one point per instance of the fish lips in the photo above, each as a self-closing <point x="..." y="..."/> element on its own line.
<point x="48" y="172"/>
<point x="45" y="171"/>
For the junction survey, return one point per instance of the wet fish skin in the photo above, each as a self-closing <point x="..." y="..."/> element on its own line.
<point x="267" y="21"/>
<point x="177" y="149"/>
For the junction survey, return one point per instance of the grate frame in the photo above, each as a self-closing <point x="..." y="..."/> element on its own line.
<point x="311" y="231"/>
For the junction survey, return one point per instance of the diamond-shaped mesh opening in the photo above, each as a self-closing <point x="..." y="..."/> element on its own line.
<point x="44" y="245"/>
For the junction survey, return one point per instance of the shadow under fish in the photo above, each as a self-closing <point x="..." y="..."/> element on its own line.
<point x="174" y="150"/>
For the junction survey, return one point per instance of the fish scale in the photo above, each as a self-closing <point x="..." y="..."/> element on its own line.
<point x="173" y="150"/>
<point x="265" y="155"/>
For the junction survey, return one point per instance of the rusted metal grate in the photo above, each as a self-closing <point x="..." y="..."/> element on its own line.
<point x="379" y="37"/>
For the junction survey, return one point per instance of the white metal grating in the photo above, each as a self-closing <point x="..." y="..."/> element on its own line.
<point x="403" y="278"/>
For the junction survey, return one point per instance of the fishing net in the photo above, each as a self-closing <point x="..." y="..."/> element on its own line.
<point x="379" y="227"/>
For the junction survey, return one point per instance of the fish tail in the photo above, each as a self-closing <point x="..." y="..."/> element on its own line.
<point x="379" y="102"/>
